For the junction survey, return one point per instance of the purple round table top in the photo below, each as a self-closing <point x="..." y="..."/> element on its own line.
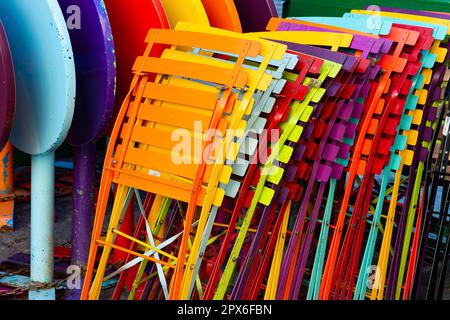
<point x="7" y="89"/>
<point x="93" y="48"/>
<point x="255" y="14"/>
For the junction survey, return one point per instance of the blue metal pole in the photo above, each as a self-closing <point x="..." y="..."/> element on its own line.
<point x="42" y="223"/>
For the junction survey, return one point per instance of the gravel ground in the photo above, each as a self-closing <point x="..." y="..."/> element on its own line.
<point x="18" y="241"/>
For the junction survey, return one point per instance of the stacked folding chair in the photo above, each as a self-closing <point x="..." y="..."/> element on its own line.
<point x="303" y="162"/>
<point x="333" y="151"/>
<point x="221" y="95"/>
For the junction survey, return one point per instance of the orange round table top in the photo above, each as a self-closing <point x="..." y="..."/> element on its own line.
<point x="223" y="14"/>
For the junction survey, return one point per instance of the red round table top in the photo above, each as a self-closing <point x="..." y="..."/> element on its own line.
<point x="7" y="89"/>
<point x="130" y="22"/>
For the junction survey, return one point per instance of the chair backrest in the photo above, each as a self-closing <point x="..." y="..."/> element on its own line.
<point x="327" y="39"/>
<point x="405" y="16"/>
<point x="170" y="104"/>
<point x="365" y="44"/>
<point x="439" y="26"/>
<point x="353" y="24"/>
<point x="441" y="15"/>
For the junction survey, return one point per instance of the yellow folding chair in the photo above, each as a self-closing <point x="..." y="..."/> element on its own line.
<point x="270" y="53"/>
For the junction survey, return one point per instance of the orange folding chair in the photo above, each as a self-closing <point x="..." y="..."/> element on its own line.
<point x="167" y="95"/>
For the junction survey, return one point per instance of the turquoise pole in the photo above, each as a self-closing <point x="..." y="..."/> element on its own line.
<point x="42" y="224"/>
